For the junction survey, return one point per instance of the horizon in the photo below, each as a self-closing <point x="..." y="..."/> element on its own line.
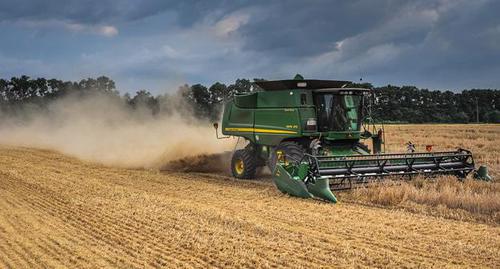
<point x="175" y="88"/>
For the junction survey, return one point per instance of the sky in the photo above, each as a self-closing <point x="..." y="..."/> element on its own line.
<point x="160" y="44"/>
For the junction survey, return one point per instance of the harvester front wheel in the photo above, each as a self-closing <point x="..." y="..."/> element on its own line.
<point x="292" y="152"/>
<point x="243" y="164"/>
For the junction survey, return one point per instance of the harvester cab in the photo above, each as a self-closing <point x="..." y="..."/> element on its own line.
<point x="310" y="134"/>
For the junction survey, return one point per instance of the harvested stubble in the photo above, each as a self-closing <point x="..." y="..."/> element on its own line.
<point x="56" y="211"/>
<point x="442" y="196"/>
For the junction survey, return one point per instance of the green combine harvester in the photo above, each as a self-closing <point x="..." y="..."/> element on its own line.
<point x="309" y="133"/>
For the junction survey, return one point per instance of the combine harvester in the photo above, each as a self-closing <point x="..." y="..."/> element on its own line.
<point x="309" y="132"/>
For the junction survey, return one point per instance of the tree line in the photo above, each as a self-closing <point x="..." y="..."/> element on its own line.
<point x="412" y="105"/>
<point x="406" y="104"/>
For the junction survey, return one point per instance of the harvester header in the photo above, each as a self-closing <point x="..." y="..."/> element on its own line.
<point x="310" y="134"/>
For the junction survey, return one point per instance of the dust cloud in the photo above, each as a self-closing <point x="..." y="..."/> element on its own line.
<point x="211" y="163"/>
<point x="104" y="129"/>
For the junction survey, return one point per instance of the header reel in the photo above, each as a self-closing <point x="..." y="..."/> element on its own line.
<point x="317" y="176"/>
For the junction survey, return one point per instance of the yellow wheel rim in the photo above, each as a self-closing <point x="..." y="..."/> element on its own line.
<point x="239" y="167"/>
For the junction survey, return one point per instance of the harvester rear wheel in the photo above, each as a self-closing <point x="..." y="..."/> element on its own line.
<point x="292" y="151"/>
<point x="244" y="164"/>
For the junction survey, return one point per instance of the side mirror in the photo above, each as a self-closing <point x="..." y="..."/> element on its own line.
<point x="216" y="126"/>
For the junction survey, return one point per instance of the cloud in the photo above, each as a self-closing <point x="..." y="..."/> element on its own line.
<point x="436" y="44"/>
<point x="107" y="30"/>
<point x="430" y="43"/>
<point x="108" y="11"/>
<point x="377" y="46"/>
<point x="230" y="24"/>
<point x="104" y="30"/>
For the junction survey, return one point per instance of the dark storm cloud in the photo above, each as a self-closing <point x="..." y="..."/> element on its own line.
<point x="440" y="44"/>
<point x="431" y="43"/>
<point x="298" y="28"/>
<point x="99" y="11"/>
<point x="72" y="10"/>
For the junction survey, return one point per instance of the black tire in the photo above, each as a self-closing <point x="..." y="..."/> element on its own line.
<point x="259" y="162"/>
<point x="293" y="152"/>
<point x="243" y="164"/>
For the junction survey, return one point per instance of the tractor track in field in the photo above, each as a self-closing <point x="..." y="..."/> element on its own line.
<point x="56" y="211"/>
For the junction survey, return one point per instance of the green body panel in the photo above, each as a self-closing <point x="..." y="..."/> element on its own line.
<point x="321" y="189"/>
<point x="279" y="99"/>
<point x="343" y="135"/>
<point x="246" y="100"/>
<point x="352" y="113"/>
<point x="290" y="180"/>
<point x="289" y="184"/>
<point x="482" y="174"/>
<point x="267" y="118"/>
<point x="305" y="114"/>
<point x="239" y="118"/>
<point x="285" y="120"/>
<point x="342" y="150"/>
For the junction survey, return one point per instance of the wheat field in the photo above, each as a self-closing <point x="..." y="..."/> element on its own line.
<point x="443" y="196"/>
<point x="60" y="212"/>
